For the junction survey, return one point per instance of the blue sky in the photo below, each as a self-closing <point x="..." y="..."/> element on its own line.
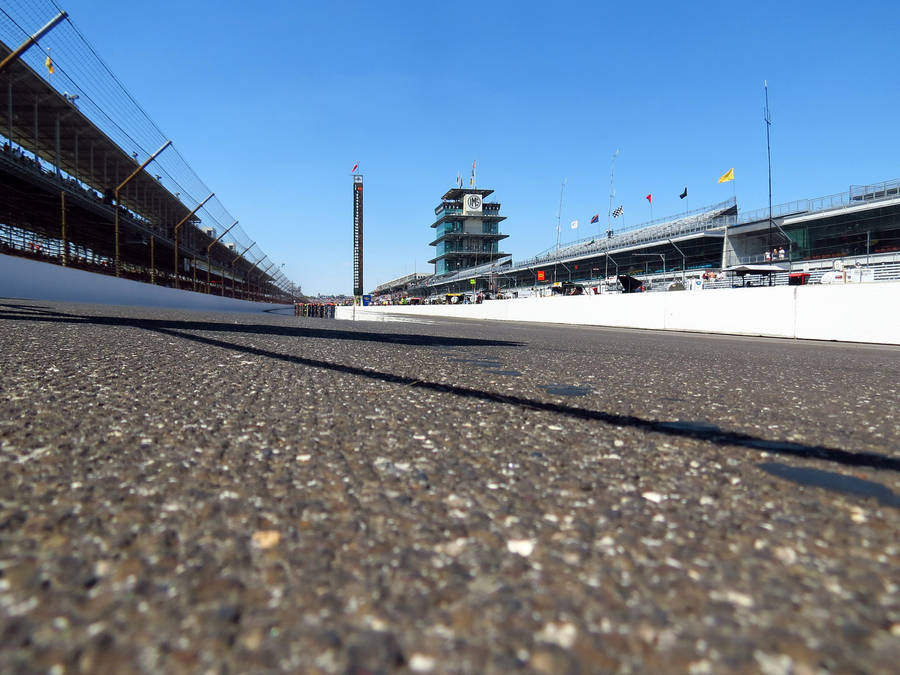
<point x="273" y="103"/>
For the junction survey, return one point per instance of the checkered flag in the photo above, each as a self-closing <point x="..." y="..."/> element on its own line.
<point x="618" y="212"/>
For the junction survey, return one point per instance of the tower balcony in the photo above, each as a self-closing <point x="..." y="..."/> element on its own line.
<point x="462" y="236"/>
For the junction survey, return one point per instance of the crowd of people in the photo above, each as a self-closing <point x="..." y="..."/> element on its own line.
<point x="319" y="310"/>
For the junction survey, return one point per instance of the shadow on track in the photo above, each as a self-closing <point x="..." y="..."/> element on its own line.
<point x="35" y="313"/>
<point x="700" y="431"/>
<point x="833" y="482"/>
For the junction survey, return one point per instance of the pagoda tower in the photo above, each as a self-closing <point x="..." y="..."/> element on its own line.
<point x="467" y="231"/>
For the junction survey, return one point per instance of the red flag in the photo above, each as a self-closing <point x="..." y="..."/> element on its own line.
<point x="649" y="198"/>
<point x="355" y="167"/>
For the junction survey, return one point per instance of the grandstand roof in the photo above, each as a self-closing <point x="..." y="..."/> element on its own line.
<point x="699" y="223"/>
<point x="81" y="102"/>
<point x="401" y="282"/>
<point x="82" y="146"/>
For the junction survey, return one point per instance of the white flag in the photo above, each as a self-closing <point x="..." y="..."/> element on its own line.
<point x="574" y="224"/>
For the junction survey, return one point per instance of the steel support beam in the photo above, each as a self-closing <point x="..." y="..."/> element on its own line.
<point x="247" y="275"/>
<point x="261" y="277"/>
<point x="231" y="265"/>
<point x="35" y="127"/>
<point x="50" y="25"/>
<point x="58" y="152"/>
<point x="116" y="197"/>
<point x="9" y="110"/>
<point x="208" y="265"/>
<point x="182" y="222"/>
<point x="65" y="243"/>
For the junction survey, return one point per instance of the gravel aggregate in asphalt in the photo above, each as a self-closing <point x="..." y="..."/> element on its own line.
<point x="193" y="492"/>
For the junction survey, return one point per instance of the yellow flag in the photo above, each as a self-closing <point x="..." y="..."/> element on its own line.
<point x="727" y="176"/>
<point x="49" y="64"/>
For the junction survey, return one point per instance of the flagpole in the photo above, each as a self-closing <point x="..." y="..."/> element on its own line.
<point x="562" y="189"/>
<point x="612" y="192"/>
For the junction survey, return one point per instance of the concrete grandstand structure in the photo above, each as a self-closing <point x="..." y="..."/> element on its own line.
<point x="396" y="290"/>
<point x="859" y="227"/>
<point x="862" y="222"/>
<point x="87" y="180"/>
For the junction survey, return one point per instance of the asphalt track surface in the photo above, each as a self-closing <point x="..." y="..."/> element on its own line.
<point x="185" y="492"/>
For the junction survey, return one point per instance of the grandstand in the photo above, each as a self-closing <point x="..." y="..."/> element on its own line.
<point x="858" y="228"/>
<point x="647" y="249"/>
<point x="395" y="290"/>
<point x="862" y="222"/>
<point x="88" y="179"/>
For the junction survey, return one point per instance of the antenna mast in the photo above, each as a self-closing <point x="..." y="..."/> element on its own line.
<point x="562" y="189"/>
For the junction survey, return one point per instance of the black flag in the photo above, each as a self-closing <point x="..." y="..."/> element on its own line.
<point x="683" y="194"/>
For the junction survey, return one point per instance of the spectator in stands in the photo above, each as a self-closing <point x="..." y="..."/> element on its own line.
<point x="768" y="256"/>
<point x="781" y="253"/>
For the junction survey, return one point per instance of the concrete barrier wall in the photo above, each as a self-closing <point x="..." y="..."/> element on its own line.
<point x="847" y="312"/>
<point x="852" y="313"/>
<point x="34" y="280"/>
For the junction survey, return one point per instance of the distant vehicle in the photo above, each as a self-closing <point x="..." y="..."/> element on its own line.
<point x="566" y="288"/>
<point x="849" y="275"/>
